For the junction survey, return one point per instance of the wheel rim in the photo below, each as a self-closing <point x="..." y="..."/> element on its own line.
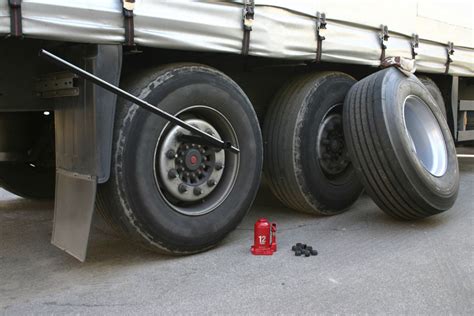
<point x="331" y="150"/>
<point x="426" y="136"/>
<point x="195" y="178"/>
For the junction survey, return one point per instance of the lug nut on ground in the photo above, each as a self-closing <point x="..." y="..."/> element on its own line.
<point x="301" y="249"/>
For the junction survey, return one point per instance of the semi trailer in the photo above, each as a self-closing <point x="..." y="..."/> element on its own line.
<point x="328" y="98"/>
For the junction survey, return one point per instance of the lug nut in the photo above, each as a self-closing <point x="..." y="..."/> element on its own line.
<point x="172" y="173"/>
<point x="182" y="188"/>
<point x="219" y="166"/>
<point x="197" y="191"/>
<point x="170" y="154"/>
<point x="298" y="252"/>
<point x="211" y="182"/>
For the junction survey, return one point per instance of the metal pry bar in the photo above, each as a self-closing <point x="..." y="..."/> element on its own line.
<point x="143" y="104"/>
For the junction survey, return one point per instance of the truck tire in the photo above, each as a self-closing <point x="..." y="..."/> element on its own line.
<point x="306" y="162"/>
<point x="26" y="181"/>
<point x="435" y="92"/>
<point x="170" y="194"/>
<point x="400" y="144"/>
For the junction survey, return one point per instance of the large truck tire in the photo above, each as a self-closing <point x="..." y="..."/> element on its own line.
<point x="167" y="192"/>
<point x="27" y="181"/>
<point x="401" y="146"/>
<point x="306" y="162"/>
<point x="435" y="92"/>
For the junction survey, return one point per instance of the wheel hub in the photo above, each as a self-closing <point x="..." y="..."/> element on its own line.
<point x="189" y="171"/>
<point x="332" y="153"/>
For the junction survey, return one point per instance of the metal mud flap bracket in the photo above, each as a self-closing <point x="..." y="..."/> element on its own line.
<point x="83" y="131"/>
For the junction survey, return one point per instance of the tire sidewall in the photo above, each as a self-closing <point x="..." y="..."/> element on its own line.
<point x="173" y="92"/>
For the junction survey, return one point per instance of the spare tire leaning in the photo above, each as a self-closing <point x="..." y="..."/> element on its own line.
<point x="401" y="145"/>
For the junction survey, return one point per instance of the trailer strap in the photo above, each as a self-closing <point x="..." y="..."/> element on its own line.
<point x="383" y="35"/>
<point x="16" y="27"/>
<point x="247" y="19"/>
<point x="129" y="25"/>
<point x="449" y="53"/>
<point x="320" y="26"/>
<point x="415" y="42"/>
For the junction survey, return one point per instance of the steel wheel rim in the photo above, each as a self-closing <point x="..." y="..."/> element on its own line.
<point x="331" y="149"/>
<point x="206" y="193"/>
<point x="426" y="137"/>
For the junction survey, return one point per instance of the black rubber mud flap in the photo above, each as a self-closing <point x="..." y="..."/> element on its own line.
<point x="401" y="146"/>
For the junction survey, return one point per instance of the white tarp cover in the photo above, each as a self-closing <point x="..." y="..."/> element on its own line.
<point x="282" y="28"/>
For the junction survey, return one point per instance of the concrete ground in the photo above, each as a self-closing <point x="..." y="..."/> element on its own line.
<point x="367" y="263"/>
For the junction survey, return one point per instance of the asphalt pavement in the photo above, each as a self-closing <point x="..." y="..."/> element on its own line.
<point x="368" y="263"/>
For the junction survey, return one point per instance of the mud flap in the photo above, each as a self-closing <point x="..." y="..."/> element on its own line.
<point x="74" y="205"/>
<point x="83" y="140"/>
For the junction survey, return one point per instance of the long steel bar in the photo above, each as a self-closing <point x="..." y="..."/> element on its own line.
<point x="145" y="105"/>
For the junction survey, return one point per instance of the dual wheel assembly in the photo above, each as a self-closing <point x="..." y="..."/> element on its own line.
<point x="326" y="138"/>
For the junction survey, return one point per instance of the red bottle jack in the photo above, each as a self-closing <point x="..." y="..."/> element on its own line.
<point x="264" y="238"/>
